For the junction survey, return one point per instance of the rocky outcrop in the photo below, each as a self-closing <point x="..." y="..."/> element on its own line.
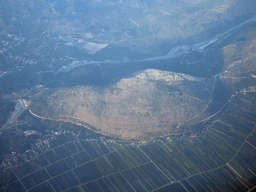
<point x="239" y="71"/>
<point x="149" y="104"/>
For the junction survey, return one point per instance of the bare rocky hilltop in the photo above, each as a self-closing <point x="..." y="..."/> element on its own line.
<point x="148" y="104"/>
<point x="151" y="102"/>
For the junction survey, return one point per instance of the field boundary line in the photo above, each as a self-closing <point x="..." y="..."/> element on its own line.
<point x="214" y="168"/>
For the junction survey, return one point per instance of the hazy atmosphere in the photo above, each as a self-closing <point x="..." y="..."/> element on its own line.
<point x="127" y="95"/>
